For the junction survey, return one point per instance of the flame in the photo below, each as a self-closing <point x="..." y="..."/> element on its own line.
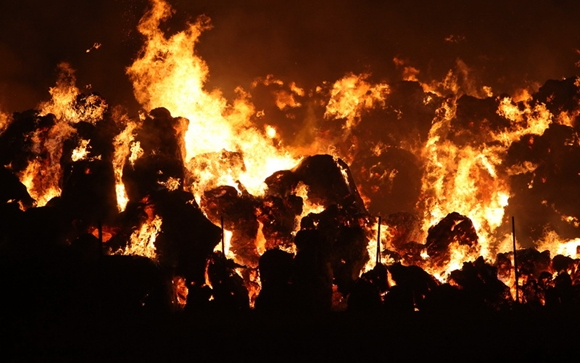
<point x="81" y="151"/>
<point x="5" y="120"/>
<point x="168" y="73"/>
<point x="308" y="206"/>
<point x="552" y="242"/>
<point x="43" y="173"/>
<point x="123" y="143"/>
<point x="64" y="103"/>
<point x="353" y="94"/>
<point x="372" y="232"/>
<point x="39" y="183"/>
<point x="142" y="241"/>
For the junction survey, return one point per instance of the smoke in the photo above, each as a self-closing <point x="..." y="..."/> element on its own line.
<point x="510" y="44"/>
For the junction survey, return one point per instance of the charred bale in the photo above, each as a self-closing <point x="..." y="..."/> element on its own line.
<point x="88" y="192"/>
<point x="561" y="263"/>
<point x="411" y="253"/>
<point x="187" y="237"/>
<point x="330" y="182"/>
<point x="238" y="211"/>
<point x="162" y="157"/>
<point x="131" y="284"/>
<point x="278" y="219"/>
<point x="476" y="120"/>
<point x="282" y="183"/>
<point x="391" y="180"/>
<point x="344" y="243"/>
<point x="403" y="228"/>
<point x="454" y="228"/>
<point x="531" y="262"/>
<point x="503" y="264"/>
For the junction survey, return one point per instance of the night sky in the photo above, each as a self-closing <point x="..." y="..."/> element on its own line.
<point x="505" y="44"/>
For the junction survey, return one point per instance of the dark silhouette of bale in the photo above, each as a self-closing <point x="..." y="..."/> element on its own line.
<point x="411" y="253"/>
<point x="561" y="263"/>
<point x="453" y="228"/>
<point x="478" y="280"/>
<point x="277" y="293"/>
<point x="413" y="284"/>
<point x="43" y="227"/>
<point x="403" y="228"/>
<point x="559" y="95"/>
<point x="282" y="183"/>
<point x="131" y="284"/>
<point x="313" y="277"/>
<point x="187" y="237"/>
<point x="449" y="300"/>
<point x="343" y="243"/>
<point x="88" y="192"/>
<point x="503" y="264"/>
<point x="365" y="295"/>
<point x="555" y="177"/>
<point x="531" y="262"/>
<point x="476" y="121"/>
<point x="228" y="288"/>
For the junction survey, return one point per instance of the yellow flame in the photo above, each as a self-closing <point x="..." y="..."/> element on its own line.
<point x="142" y="241"/>
<point x="5" y="120"/>
<point x="558" y="246"/>
<point x="123" y="148"/>
<point x="353" y="94"/>
<point x="81" y="151"/>
<point x="168" y="73"/>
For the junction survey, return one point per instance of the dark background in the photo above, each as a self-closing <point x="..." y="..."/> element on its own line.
<point x="506" y="44"/>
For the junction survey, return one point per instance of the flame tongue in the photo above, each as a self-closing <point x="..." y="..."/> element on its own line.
<point x="169" y="74"/>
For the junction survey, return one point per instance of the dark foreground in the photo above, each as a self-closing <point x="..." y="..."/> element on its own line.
<point x="517" y="335"/>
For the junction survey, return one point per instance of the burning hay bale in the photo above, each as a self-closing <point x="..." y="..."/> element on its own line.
<point x="238" y="213"/>
<point x="329" y="182"/>
<point x="158" y="156"/>
<point x="453" y="229"/>
<point x="278" y="218"/>
<point x="391" y="181"/>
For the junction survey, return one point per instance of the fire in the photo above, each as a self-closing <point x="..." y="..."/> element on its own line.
<point x="353" y="94"/>
<point x="142" y="241"/>
<point x="81" y="152"/>
<point x="168" y="73"/>
<point x="5" y="120"/>
<point x="124" y="147"/>
<point x="461" y="167"/>
<point x="557" y="246"/>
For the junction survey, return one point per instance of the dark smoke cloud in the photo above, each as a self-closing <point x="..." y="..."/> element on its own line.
<point x="506" y="44"/>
